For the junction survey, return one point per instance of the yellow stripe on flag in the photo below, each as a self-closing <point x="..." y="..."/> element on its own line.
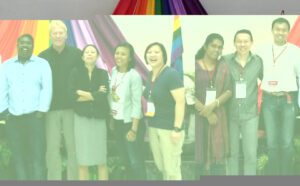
<point x="42" y="36"/>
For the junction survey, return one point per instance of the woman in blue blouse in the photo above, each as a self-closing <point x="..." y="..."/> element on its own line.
<point x="126" y="110"/>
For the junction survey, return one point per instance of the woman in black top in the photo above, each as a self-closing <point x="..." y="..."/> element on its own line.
<point x="88" y="90"/>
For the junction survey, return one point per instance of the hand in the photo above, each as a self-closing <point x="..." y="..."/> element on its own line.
<point x="198" y="106"/>
<point x="80" y="93"/>
<point x="131" y="135"/>
<point x="176" y="137"/>
<point x="208" y="109"/>
<point x="39" y="114"/>
<point x="212" y="119"/>
<point x="102" y="88"/>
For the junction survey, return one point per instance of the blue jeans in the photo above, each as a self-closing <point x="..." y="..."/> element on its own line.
<point x="248" y="130"/>
<point x="279" y="118"/>
<point x="26" y="137"/>
<point x="131" y="153"/>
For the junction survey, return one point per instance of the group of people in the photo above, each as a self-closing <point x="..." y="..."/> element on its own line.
<point x="227" y="104"/>
<point x="61" y="97"/>
<point x="62" y="94"/>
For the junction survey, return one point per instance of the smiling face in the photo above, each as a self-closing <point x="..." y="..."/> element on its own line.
<point x="154" y="56"/>
<point x="58" y="36"/>
<point x="90" y="55"/>
<point x="25" y="48"/>
<point x="122" y="57"/>
<point x="243" y="43"/>
<point x="214" y="49"/>
<point x="280" y="33"/>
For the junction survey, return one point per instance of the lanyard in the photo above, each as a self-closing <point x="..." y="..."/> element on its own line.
<point x="115" y="86"/>
<point x="153" y="82"/>
<point x="210" y="75"/>
<point x="275" y="58"/>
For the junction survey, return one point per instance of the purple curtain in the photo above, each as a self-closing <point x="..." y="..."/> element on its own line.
<point x="108" y="36"/>
<point x="177" y="7"/>
<point x="194" y="7"/>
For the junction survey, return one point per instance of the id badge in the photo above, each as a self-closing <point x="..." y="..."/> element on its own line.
<point x="273" y="83"/>
<point x="211" y="95"/>
<point x="240" y="89"/>
<point x="150" y="109"/>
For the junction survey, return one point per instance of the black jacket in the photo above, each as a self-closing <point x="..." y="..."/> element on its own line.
<point x="79" y="80"/>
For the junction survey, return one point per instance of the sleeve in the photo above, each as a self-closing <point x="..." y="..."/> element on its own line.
<point x="72" y="88"/>
<point x="3" y="89"/>
<point x="101" y="96"/>
<point x="136" y="89"/>
<point x="46" y="88"/>
<point x="225" y="78"/>
<point x="174" y="80"/>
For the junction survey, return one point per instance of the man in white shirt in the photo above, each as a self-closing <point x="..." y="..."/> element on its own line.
<point x="281" y="61"/>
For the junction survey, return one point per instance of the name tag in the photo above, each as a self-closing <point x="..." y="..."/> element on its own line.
<point x="211" y="95"/>
<point x="273" y="83"/>
<point x="240" y="90"/>
<point x="150" y="109"/>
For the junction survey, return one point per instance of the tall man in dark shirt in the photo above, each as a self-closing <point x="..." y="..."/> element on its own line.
<point x="59" y="120"/>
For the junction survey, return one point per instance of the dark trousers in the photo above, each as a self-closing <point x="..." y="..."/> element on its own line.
<point x="279" y="118"/>
<point x="131" y="153"/>
<point x="26" y="138"/>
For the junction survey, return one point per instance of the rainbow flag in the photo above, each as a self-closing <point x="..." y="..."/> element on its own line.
<point x="177" y="47"/>
<point x="159" y="7"/>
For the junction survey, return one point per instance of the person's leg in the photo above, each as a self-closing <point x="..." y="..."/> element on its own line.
<point x="155" y="145"/>
<point x="102" y="172"/>
<point x="135" y="155"/>
<point x="15" y="136"/>
<point x="53" y="141"/>
<point x="83" y="172"/>
<point x="171" y="154"/>
<point x="119" y="133"/>
<point x="286" y="140"/>
<point x="36" y="136"/>
<point x="249" y="143"/>
<point x="234" y="137"/>
<point x="68" y="133"/>
<point x="272" y="120"/>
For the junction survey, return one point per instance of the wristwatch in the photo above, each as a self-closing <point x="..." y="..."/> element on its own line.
<point x="177" y="129"/>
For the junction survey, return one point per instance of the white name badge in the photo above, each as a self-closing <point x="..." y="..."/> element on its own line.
<point x="150" y="109"/>
<point x="240" y="90"/>
<point x="211" y="95"/>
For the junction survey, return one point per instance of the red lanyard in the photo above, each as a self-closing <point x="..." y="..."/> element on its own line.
<point x="275" y="58"/>
<point x="210" y="74"/>
<point x="153" y="82"/>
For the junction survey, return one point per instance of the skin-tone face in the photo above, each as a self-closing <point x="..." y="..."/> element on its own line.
<point x="154" y="57"/>
<point x="25" y="49"/>
<point x="214" y="49"/>
<point x="58" y="36"/>
<point x="122" y="57"/>
<point x="280" y="33"/>
<point x="90" y="55"/>
<point x="243" y="43"/>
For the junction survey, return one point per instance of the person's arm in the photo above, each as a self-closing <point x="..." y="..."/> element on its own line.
<point x="46" y="88"/>
<point x="136" y="89"/>
<point x="3" y="90"/>
<point x="179" y="97"/>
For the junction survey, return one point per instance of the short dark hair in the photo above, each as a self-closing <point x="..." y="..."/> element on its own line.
<point x="243" y="31"/>
<point x="25" y="35"/>
<point x="209" y="39"/>
<point x="281" y="20"/>
<point x="127" y="45"/>
<point x="162" y="48"/>
<point x="90" y="45"/>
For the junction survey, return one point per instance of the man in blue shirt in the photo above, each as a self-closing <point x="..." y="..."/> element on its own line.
<point x="25" y="95"/>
